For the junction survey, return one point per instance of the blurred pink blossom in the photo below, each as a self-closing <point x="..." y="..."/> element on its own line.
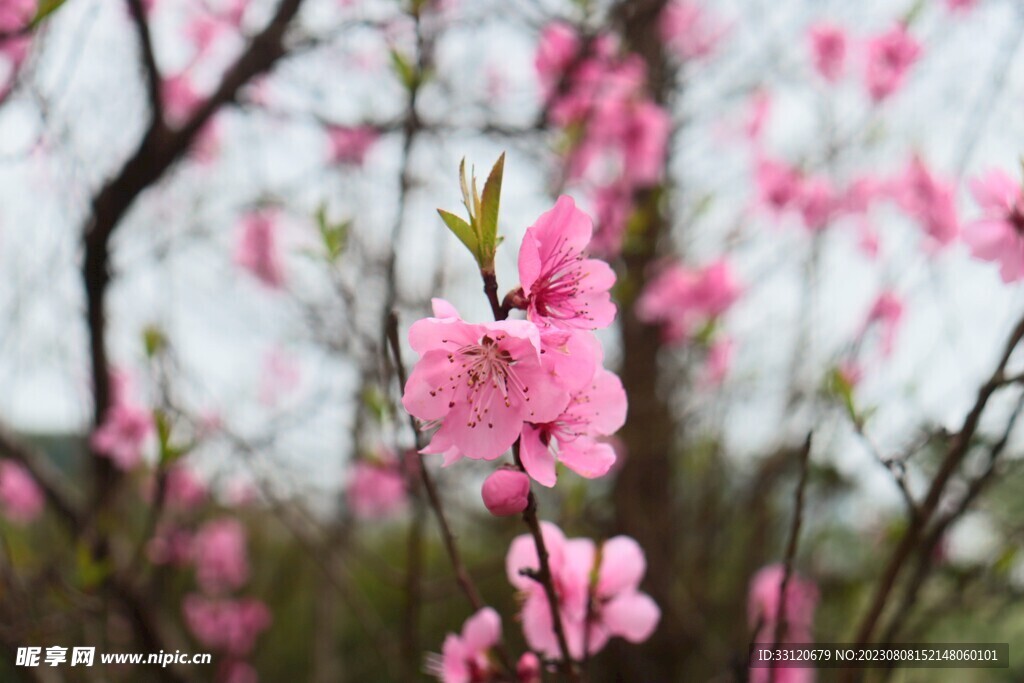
<point x="528" y="668"/>
<point x="828" y="50"/>
<point x="817" y="202"/>
<point x="230" y="626"/>
<point x="688" y="29"/>
<point x="890" y="55"/>
<point x="887" y="312"/>
<point x="778" y="185"/>
<point x="961" y="6"/>
<point x="718" y="361"/>
<point x="170" y="545"/>
<point x="281" y="375"/>
<point x="376" y="489"/>
<point x="762" y="611"/>
<point x="929" y="198"/>
<point x="999" y="234"/>
<point x="466" y="657"/>
<point x="180" y="98"/>
<point x="125" y="428"/>
<point x="221" y="559"/>
<point x="351" y="144"/>
<point x="21" y="499"/>
<point x="15" y="15"/>
<point x="599" y="585"/>
<point x="680" y="299"/>
<point x="256" y="249"/>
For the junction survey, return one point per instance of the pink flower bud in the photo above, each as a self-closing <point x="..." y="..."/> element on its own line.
<point x="505" y="492"/>
<point x="528" y="668"/>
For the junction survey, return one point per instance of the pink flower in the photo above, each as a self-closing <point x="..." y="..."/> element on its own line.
<point x="220" y="555"/>
<point x="930" y="199"/>
<point x="759" y="109"/>
<point x="15" y="15"/>
<point x="481" y="382"/>
<point x="886" y="311"/>
<point x="203" y="31"/>
<point x="170" y="545"/>
<point x="762" y="609"/>
<point x="351" y="144"/>
<point x="180" y="98"/>
<point x="376" y="489"/>
<point x="962" y="6"/>
<point x="465" y="657"/>
<point x="598" y="592"/>
<point x="230" y="626"/>
<point x="21" y="500"/>
<point x="597" y="408"/>
<point x="183" y="490"/>
<point x="237" y="672"/>
<point x="817" y="202"/>
<point x="612" y="205"/>
<point x="281" y="375"/>
<point x="257" y="250"/>
<point x="889" y="57"/>
<point x="556" y="52"/>
<point x="828" y="48"/>
<point x="999" y="234"/>
<point x="505" y="492"/>
<point x="778" y="185"/>
<point x="687" y="29"/>
<point x="644" y="142"/>
<point x="528" y="668"/>
<point x="562" y="288"/>
<point x="800" y="603"/>
<point x="123" y="433"/>
<point x="718" y="361"/>
<point x="681" y="299"/>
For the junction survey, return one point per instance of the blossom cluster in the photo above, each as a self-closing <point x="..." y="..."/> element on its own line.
<point x="539" y="381"/>
<point x="616" y="134"/>
<point x="887" y="56"/>
<point x="15" y="16"/>
<point x="798" y="606"/>
<point x="21" y="499"/>
<point x="596" y="586"/>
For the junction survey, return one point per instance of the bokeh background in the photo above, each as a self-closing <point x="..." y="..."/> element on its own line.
<point x="348" y="136"/>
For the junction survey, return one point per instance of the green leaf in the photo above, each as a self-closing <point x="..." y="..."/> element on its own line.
<point x="406" y="71"/>
<point x="490" y="203"/>
<point x="90" y="572"/>
<point x="333" y="235"/>
<point x="838" y="386"/>
<point x="377" y="402"/>
<point x="462" y="230"/>
<point x="45" y="9"/>
<point x="154" y="340"/>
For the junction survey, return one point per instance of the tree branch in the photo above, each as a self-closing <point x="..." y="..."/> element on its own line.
<point x="159" y="149"/>
<point x="153" y="79"/>
<point x="955" y="454"/>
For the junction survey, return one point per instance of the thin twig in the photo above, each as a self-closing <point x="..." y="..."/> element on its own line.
<point x="955" y="454"/>
<point x="791" y="548"/>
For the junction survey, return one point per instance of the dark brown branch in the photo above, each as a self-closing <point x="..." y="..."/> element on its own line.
<point x="791" y="547"/>
<point x="454" y="556"/>
<point x="153" y="79"/>
<point x="955" y="454"/>
<point x="159" y="149"/>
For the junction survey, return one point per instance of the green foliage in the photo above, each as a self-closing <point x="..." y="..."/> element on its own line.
<point x="333" y="234"/>
<point x="45" y="9"/>
<point x="480" y="233"/>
